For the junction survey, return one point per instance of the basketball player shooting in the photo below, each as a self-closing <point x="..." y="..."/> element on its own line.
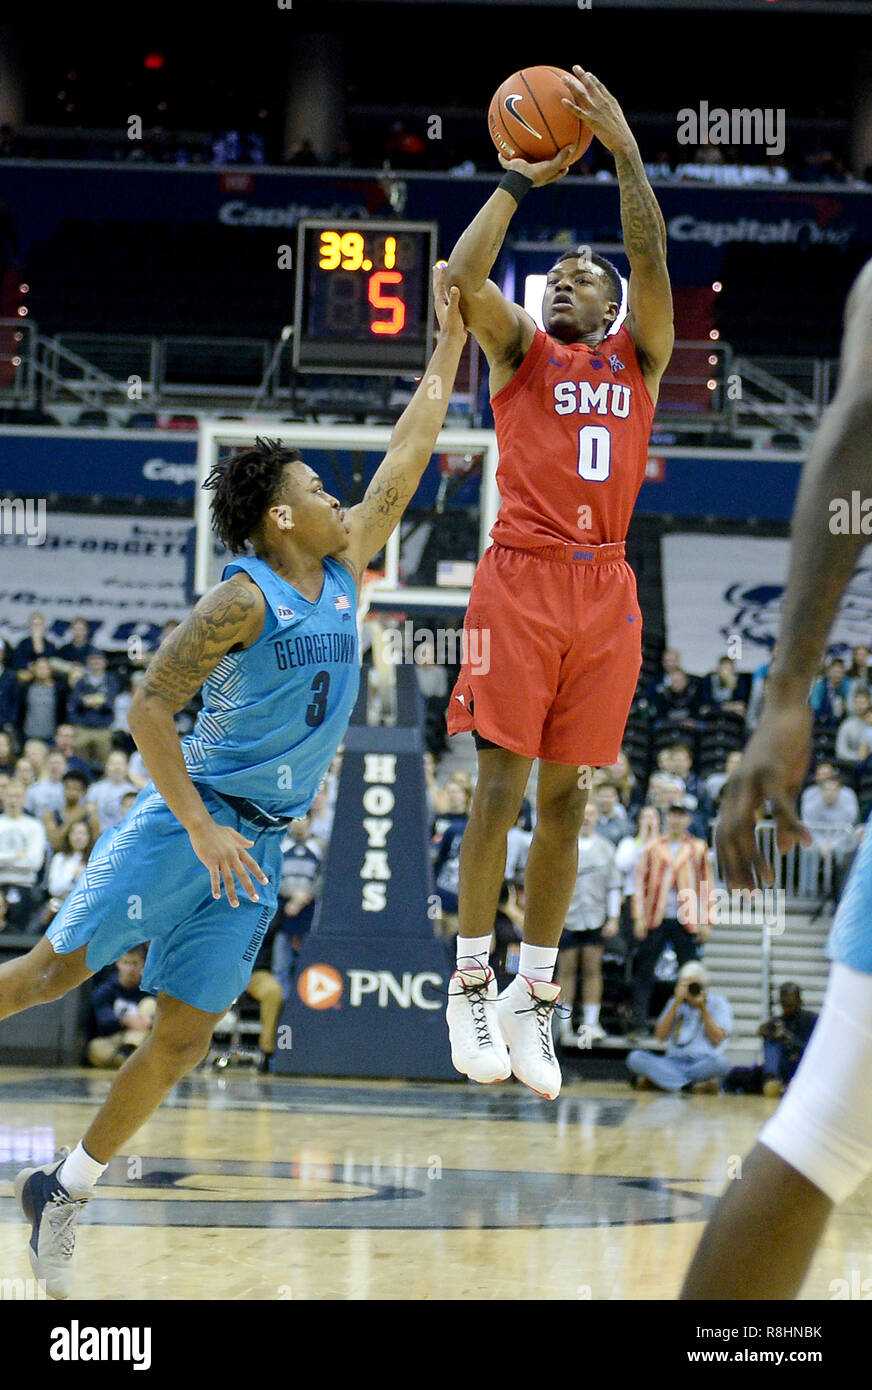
<point x="817" y="1147"/>
<point x="274" y="649"/>
<point x="573" y="408"/>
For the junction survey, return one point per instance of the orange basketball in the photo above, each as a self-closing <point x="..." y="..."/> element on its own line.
<point x="527" y="121"/>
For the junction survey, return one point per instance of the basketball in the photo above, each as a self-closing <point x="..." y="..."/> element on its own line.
<point x="527" y="120"/>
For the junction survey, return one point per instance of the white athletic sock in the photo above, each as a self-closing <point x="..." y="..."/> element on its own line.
<point x="537" y="962"/>
<point x="591" y="1014"/>
<point x="473" y="946"/>
<point x="80" y="1170"/>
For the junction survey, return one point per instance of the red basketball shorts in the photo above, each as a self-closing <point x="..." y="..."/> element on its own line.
<point x="552" y="649"/>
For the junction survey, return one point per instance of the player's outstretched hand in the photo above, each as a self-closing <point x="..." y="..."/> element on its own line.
<point x="547" y="171"/>
<point x="598" y="109"/>
<point x="772" y="769"/>
<point x="223" y="851"/>
<point x="447" y="304"/>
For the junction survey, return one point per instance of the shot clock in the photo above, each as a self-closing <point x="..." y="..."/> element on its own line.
<point x="363" y="300"/>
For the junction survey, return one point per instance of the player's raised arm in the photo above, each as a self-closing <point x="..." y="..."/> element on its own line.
<point x="504" y="330"/>
<point x="227" y="616"/>
<point x="414" y="436"/>
<point x="823" y="556"/>
<point x="649" y="296"/>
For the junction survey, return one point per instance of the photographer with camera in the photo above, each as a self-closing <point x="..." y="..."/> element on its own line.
<point x="785" y="1039"/>
<point x="695" y="1026"/>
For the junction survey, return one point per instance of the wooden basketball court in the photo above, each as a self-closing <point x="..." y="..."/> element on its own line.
<point x="244" y="1187"/>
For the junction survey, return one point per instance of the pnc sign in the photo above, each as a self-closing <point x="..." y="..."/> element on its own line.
<point x="320" y="987"/>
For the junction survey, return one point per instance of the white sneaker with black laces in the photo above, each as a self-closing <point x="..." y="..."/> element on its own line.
<point x="53" y="1212"/>
<point x="526" y="1014"/>
<point x="477" y="1046"/>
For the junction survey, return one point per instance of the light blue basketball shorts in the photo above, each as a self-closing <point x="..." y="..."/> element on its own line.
<point x="143" y="882"/>
<point x="850" y="938"/>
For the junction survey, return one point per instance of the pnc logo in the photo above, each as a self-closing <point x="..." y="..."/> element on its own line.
<point x="320" y="987"/>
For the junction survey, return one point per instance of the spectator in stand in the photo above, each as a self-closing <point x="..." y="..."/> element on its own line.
<point x="43" y="700"/>
<point x="120" y="729"/>
<point x="265" y="988"/>
<point x="855" y="735"/>
<point x="29" y="648"/>
<point x="321" y="819"/>
<point x="760" y="673"/>
<point x="812" y="802"/>
<point x="137" y="772"/>
<point x="835" y="838"/>
<point x="65" y="867"/>
<point x="36" y="750"/>
<point x="75" y="808"/>
<point x="122" y="1012"/>
<point x="23" y="850"/>
<point x="47" y="792"/>
<point x="299" y="891"/>
<point x="695" y="1026"/>
<point x="858" y="674"/>
<point x="592" y="919"/>
<point x="518" y="842"/>
<point x="10" y="692"/>
<point x="453" y="803"/>
<point x="65" y="742"/>
<point x="694" y="787"/>
<point x="671" y="904"/>
<point x="626" y="860"/>
<point x="76" y="651"/>
<point x="25" y="773"/>
<point x="755" y="703"/>
<point x="664" y="788"/>
<point x="715" y="784"/>
<point x="829" y="693"/>
<point x="446" y="866"/>
<point x="89" y="708"/>
<point x="622" y="776"/>
<point x="613" y="823"/>
<point x="433" y="684"/>
<point x="724" y="689"/>
<point x="675" y="704"/>
<point x="670" y="661"/>
<point x="7" y="753"/>
<point x="107" y="793"/>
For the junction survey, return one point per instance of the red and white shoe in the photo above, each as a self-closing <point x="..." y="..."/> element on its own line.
<point x="477" y="1046"/>
<point x="526" y="1015"/>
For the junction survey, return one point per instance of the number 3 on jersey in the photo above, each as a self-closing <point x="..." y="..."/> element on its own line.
<point x="594" y="453"/>
<point x="318" y="708"/>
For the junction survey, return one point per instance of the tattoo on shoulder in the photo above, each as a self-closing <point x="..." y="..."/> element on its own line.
<point x="193" y="650"/>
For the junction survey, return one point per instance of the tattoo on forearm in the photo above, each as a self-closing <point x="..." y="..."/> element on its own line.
<point x="386" y="498"/>
<point x="193" y="650"/>
<point x="642" y="220"/>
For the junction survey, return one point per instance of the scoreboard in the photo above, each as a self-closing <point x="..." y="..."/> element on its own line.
<point x="364" y="302"/>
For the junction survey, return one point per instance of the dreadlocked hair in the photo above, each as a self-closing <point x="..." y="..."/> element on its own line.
<point x="245" y="485"/>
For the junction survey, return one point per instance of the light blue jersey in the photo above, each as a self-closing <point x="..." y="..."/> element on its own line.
<point x="272" y="719"/>
<point x="275" y="713"/>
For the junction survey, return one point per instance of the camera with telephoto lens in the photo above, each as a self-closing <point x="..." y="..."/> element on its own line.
<point x="694" y="987"/>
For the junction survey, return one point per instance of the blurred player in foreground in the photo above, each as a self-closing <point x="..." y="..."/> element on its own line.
<point x="817" y="1147"/>
<point x="274" y="648"/>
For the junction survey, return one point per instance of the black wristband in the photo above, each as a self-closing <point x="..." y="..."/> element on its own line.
<point x="516" y="184"/>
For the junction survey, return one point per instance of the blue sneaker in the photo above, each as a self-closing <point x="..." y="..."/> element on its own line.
<point x="52" y="1212"/>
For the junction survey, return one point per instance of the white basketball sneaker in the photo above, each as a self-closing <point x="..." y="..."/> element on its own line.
<point x="477" y="1047"/>
<point x="526" y="1015"/>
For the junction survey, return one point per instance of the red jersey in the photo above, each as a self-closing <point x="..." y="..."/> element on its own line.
<point x="573" y="426"/>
